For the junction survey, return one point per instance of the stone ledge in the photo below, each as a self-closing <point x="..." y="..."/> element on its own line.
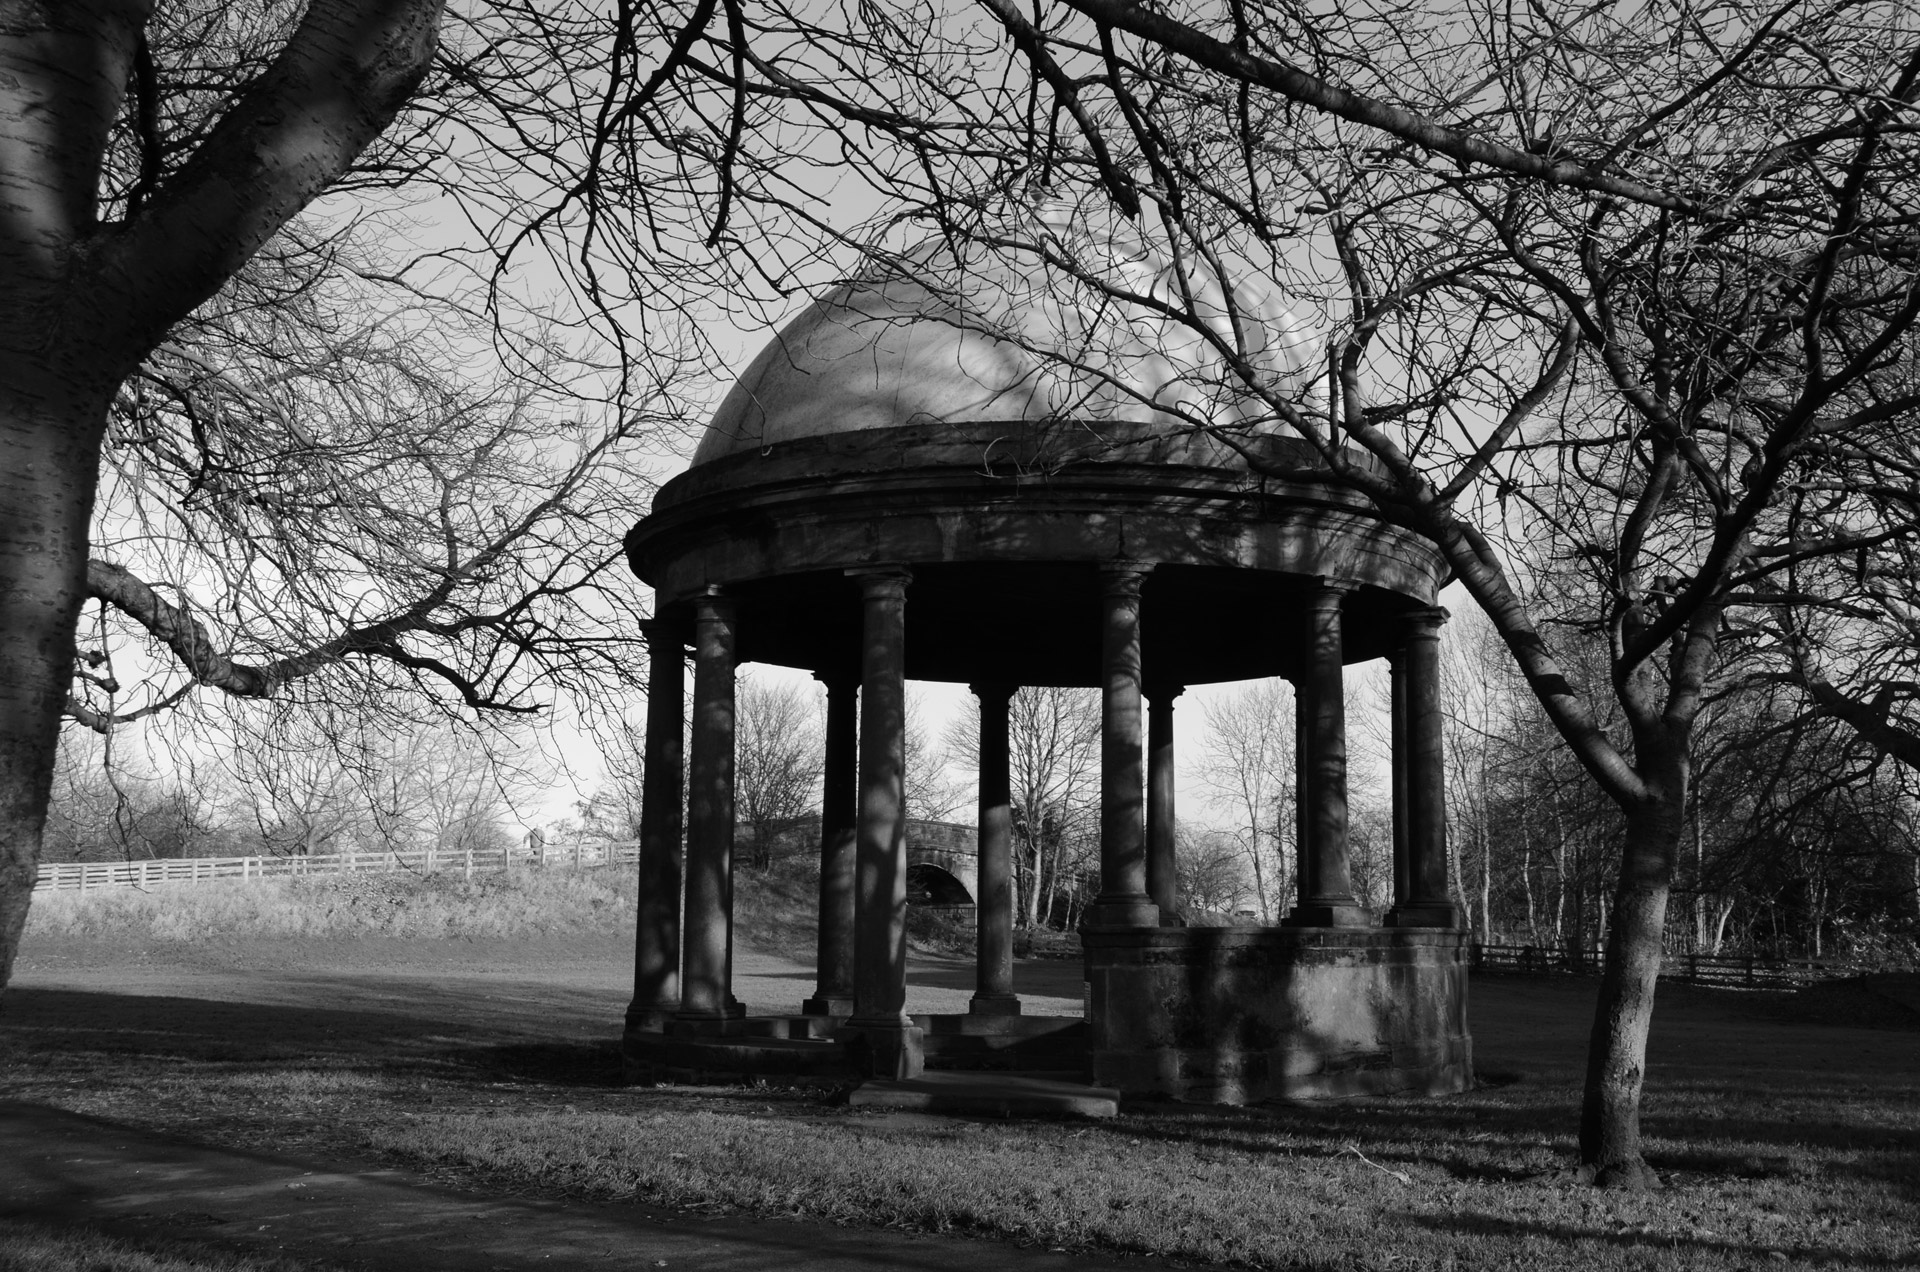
<point x="1003" y="1095"/>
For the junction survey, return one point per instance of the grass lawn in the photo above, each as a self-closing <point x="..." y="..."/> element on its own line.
<point x="488" y="1062"/>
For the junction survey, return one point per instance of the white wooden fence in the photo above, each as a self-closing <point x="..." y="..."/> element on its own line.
<point x="82" y="875"/>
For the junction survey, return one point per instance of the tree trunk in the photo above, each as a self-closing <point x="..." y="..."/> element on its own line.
<point x="1259" y="880"/>
<point x="1486" y="883"/>
<point x="1526" y="881"/>
<point x="50" y="432"/>
<point x="1617" y="1052"/>
<point x="81" y="302"/>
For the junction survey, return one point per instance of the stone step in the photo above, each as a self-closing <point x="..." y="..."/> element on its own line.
<point x="1023" y="1043"/>
<point x="795" y="1027"/>
<point x="987" y="1095"/>
<point x="679" y="1057"/>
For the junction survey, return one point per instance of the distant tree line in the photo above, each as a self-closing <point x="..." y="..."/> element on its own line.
<point x="303" y="794"/>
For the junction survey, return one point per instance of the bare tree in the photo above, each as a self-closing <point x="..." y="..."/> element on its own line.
<point x="1248" y="770"/>
<point x="1211" y="871"/>
<point x="307" y="482"/>
<point x="1053" y="764"/>
<point x="1662" y="270"/>
<point x="777" y="760"/>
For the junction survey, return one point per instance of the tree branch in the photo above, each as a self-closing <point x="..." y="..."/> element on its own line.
<point x="343" y="75"/>
<point x="1296" y="85"/>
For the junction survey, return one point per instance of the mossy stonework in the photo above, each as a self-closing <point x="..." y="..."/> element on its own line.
<point x="889" y="492"/>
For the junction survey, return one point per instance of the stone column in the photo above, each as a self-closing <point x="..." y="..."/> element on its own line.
<point x="1326" y="883"/>
<point x="1302" y="787"/>
<point x="1123" y="899"/>
<point x="656" y="948"/>
<point x="881" y="1038"/>
<point x="1430" y="900"/>
<point x="1397" y="769"/>
<point x="706" y="960"/>
<point x="1162" y="863"/>
<point x="993" y="894"/>
<point x="833" y="987"/>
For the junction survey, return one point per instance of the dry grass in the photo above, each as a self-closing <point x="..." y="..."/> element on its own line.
<point x="28" y="1247"/>
<point x="443" y="906"/>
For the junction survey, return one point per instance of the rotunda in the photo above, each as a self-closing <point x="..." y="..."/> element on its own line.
<point x="938" y="471"/>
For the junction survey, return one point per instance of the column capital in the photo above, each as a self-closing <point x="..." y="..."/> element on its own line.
<point x="840" y="679"/>
<point x="994" y="692"/>
<point x="1123" y="578"/>
<point x="881" y="580"/>
<point x="1326" y="587"/>
<point x="1425" y="624"/>
<point x="714" y="602"/>
<point x="1161" y="691"/>
<point x="659" y="632"/>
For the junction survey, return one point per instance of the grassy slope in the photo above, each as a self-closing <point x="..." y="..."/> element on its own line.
<point x="444" y="906"/>
<point x="1783" y="1144"/>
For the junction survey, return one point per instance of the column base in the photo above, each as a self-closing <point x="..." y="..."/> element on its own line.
<point x="732" y="1011"/>
<point x="886" y="1049"/>
<point x="650" y="1019"/>
<point x="1328" y="914"/>
<point x="828" y="1005"/>
<point x="1436" y="914"/>
<point x="1122" y="911"/>
<point x="994" y="1005"/>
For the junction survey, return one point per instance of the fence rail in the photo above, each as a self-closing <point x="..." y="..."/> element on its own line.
<point x="1722" y="970"/>
<point x="83" y="875"/>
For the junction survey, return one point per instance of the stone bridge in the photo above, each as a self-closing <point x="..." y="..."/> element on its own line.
<point x="943" y="863"/>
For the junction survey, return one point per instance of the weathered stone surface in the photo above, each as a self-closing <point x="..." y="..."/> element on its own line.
<point x="1240" y="1015"/>
<point x="983" y="1095"/>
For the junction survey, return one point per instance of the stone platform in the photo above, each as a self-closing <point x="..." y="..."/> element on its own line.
<point x="987" y="1095"/>
<point x="1242" y="1015"/>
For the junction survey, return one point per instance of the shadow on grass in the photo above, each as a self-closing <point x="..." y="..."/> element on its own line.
<point x="592" y="1065"/>
<point x="1520" y="1132"/>
<point x="1855" y="1124"/>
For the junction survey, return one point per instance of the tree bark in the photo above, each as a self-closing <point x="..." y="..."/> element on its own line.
<point x="50" y="432"/>
<point x="1617" y="1050"/>
<point x="81" y="302"/>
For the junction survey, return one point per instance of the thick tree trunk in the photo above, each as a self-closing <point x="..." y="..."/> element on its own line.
<point x="82" y="302"/>
<point x="50" y="431"/>
<point x="1617" y="1052"/>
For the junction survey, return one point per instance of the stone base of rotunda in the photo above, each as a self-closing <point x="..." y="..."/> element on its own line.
<point x="816" y="1047"/>
<point x="1243" y="1015"/>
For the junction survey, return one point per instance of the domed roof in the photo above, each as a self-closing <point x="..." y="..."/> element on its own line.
<point x="959" y="334"/>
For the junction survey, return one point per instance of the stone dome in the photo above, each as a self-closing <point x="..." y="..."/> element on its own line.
<point x="954" y="413"/>
<point x="945" y="335"/>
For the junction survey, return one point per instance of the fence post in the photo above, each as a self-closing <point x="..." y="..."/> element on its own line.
<point x="469" y="864"/>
